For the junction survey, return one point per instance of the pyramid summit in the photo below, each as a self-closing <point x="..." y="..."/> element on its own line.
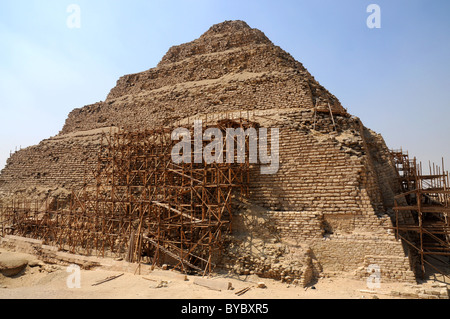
<point x="229" y="26"/>
<point x="229" y="53"/>
<point x="326" y="209"/>
<point x="220" y="37"/>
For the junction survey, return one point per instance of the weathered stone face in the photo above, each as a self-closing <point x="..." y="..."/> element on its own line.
<point x="335" y="181"/>
<point x="231" y="67"/>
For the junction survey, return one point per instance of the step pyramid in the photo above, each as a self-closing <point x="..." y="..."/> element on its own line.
<point x="336" y="181"/>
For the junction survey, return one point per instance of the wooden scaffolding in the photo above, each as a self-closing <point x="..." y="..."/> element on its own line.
<point x="140" y="205"/>
<point x="422" y="210"/>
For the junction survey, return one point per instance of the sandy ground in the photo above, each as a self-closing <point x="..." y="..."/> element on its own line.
<point x="43" y="281"/>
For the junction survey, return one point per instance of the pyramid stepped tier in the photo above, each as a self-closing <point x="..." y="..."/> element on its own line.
<point x="249" y="59"/>
<point x="230" y="67"/>
<point x="160" y="107"/>
<point x="219" y="38"/>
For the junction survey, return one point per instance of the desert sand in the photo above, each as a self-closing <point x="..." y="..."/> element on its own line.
<point x="45" y="281"/>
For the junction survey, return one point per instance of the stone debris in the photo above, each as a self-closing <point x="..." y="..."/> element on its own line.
<point x="162" y="284"/>
<point x="261" y="285"/>
<point x="434" y="291"/>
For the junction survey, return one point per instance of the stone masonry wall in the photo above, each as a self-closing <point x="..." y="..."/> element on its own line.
<point x="355" y="253"/>
<point x="297" y="227"/>
<point x="59" y="163"/>
<point x="314" y="175"/>
<point x="161" y="107"/>
<point x="331" y="200"/>
<point x="384" y="167"/>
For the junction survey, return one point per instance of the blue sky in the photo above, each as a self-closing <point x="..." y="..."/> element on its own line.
<point x="396" y="78"/>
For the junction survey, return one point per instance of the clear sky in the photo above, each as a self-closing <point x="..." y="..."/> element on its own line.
<point x="395" y="78"/>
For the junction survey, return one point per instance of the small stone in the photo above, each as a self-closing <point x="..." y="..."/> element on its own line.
<point x="11" y="264"/>
<point x="162" y="284"/>
<point x="261" y="285"/>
